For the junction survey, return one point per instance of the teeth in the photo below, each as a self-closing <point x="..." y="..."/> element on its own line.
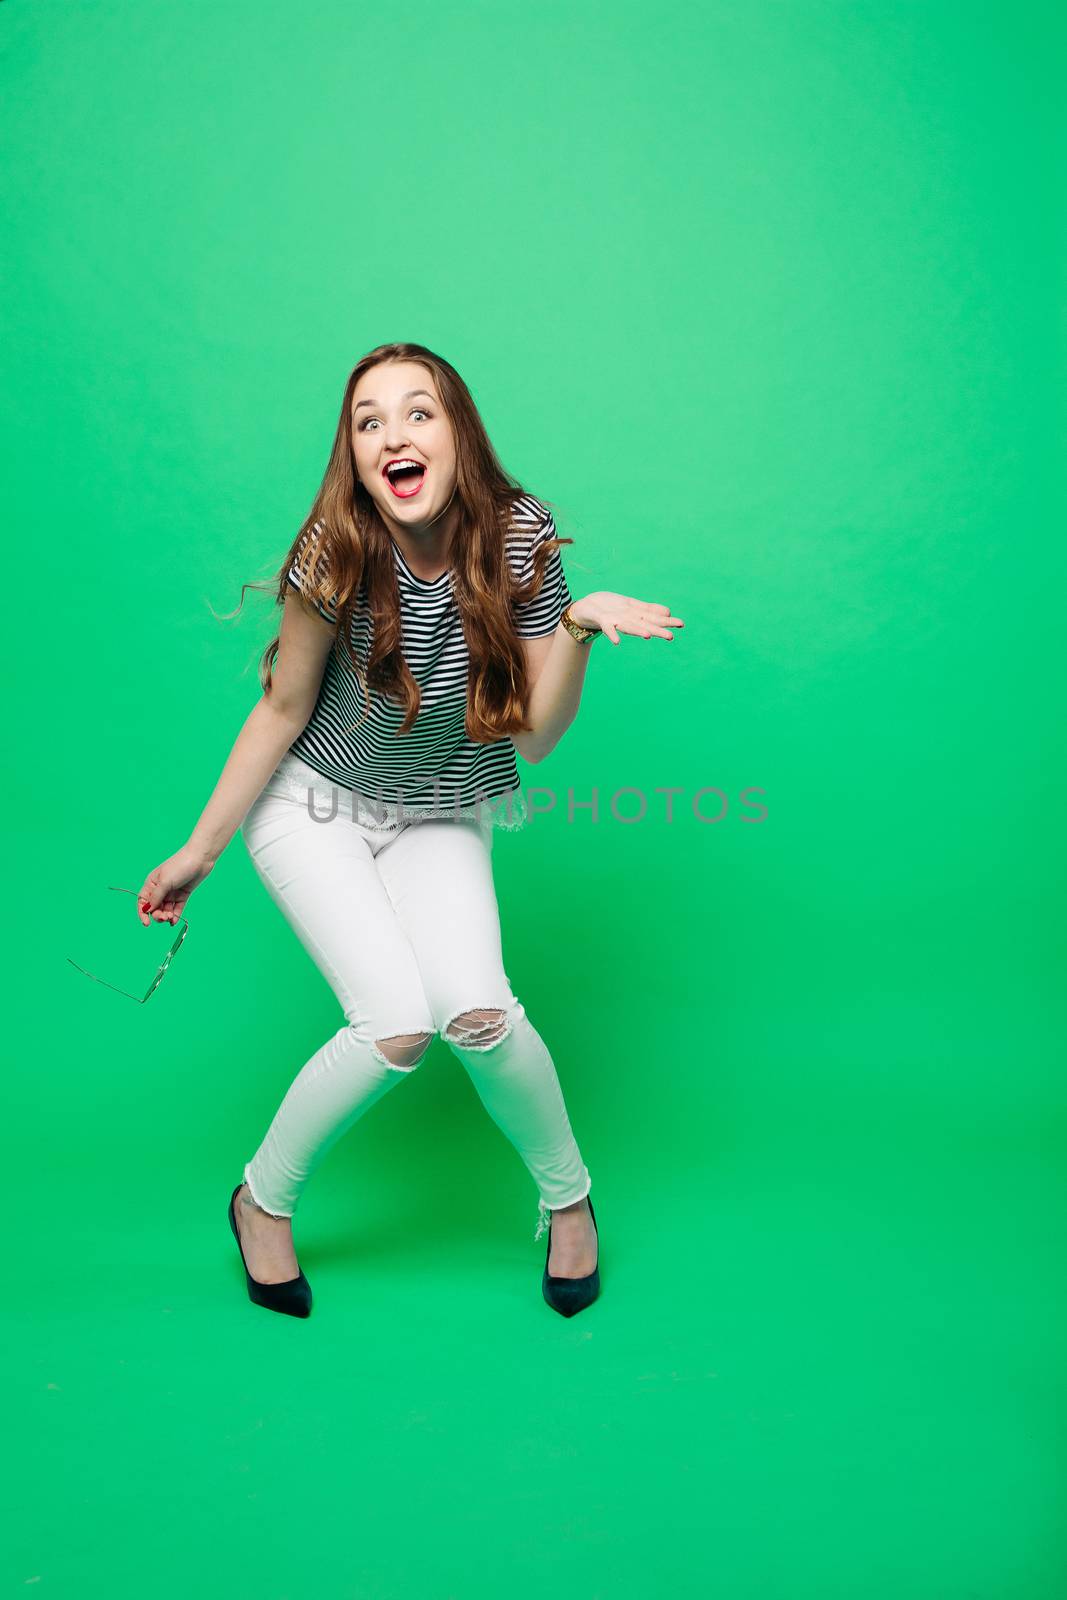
<point x="391" y="468"/>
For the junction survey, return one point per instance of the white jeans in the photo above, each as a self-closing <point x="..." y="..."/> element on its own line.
<point x="402" y="921"/>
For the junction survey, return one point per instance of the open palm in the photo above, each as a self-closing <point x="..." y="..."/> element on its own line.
<point x="621" y="613"/>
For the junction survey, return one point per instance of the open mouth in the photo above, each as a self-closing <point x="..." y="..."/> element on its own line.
<point x="405" y="478"/>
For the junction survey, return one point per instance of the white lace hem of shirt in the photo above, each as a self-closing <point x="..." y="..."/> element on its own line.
<point x="507" y="811"/>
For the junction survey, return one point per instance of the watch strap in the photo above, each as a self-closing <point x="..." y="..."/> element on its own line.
<point x="575" y="629"/>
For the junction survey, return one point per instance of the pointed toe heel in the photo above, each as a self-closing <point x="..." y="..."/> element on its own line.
<point x="292" y="1298"/>
<point x="570" y="1295"/>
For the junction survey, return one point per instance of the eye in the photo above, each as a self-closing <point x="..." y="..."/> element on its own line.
<point x="416" y="410"/>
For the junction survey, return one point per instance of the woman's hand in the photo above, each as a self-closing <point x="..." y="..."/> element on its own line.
<point x="618" y="613"/>
<point x="164" y="892"/>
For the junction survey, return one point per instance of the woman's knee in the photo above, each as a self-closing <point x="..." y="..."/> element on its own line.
<point x="402" y="1050"/>
<point x="478" y="1029"/>
<point x="400" y="1046"/>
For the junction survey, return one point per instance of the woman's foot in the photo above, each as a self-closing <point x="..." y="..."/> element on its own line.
<point x="266" y="1241"/>
<point x="573" y="1252"/>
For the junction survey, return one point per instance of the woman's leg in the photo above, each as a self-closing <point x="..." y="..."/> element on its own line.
<point x="439" y="878"/>
<point x="324" y="879"/>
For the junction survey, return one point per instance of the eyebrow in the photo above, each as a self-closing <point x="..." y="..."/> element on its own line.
<point x="408" y="396"/>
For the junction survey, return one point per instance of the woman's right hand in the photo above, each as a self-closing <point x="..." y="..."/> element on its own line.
<point x="164" y="892"/>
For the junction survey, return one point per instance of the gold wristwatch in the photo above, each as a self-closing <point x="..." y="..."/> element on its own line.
<point x="575" y="629"/>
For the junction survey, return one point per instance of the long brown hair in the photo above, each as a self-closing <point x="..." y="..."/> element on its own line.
<point x="344" y="549"/>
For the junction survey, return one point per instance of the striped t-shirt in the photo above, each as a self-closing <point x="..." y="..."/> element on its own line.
<point x="434" y="769"/>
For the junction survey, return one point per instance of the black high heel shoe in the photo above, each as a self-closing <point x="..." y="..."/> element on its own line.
<point x="568" y="1295"/>
<point x="293" y="1297"/>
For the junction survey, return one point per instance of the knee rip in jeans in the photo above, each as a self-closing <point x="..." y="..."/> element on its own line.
<point x="478" y="1030"/>
<point x="403" y="1051"/>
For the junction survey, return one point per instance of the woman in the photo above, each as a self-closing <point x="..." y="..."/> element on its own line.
<point x="426" y="635"/>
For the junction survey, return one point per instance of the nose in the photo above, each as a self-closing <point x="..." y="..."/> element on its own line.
<point x="395" y="438"/>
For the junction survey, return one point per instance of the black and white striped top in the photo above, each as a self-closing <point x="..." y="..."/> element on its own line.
<point x="433" y="769"/>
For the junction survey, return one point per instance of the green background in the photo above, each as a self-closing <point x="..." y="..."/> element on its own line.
<point x="765" y="299"/>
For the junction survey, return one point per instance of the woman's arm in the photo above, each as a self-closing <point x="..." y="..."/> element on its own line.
<point x="263" y="740"/>
<point x="555" y="666"/>
<point x="304" y="643"/>
<point x="556" y="663"/>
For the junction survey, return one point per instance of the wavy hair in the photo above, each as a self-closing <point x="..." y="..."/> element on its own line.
<point x="343" y="552"/>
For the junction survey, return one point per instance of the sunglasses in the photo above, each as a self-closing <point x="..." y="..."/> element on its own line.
<point x="183" y="929"/>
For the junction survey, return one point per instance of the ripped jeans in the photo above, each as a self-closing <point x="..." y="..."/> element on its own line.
<point x="402" y="921"/>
